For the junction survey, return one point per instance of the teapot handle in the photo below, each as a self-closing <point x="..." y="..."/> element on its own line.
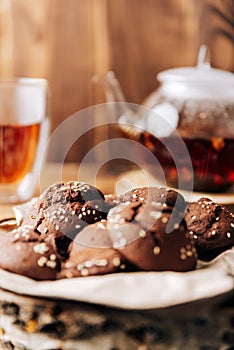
<point x="203" y="61"/>
<point x="112" y="89"/>
<point x="115" y="97"/>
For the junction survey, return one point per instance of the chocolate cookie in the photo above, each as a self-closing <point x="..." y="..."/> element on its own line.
<point x="67" y="208"/>
<point x="160" y="195"/>
<point x="212" y="227"/>
<point x="25" y="253"/>
<point x="139" y="231"/>
<point x="53" y="220"/>
<point x="92" y="253"/>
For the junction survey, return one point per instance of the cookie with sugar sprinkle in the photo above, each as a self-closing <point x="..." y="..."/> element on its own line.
<point x="92" y="253"/>
<point x="212" y="227"/>
<point x="151" y="236"/>
<point x="25" y="253"/>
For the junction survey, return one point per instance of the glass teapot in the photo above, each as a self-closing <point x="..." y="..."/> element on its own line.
<point x="193" y="106"/>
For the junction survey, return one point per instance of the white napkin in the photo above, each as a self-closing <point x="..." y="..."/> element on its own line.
<point x="139" y="290"/>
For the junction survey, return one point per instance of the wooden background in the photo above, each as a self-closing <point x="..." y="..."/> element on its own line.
<point x="69" y="41"/>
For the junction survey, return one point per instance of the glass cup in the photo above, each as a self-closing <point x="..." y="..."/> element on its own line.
<point x="24" y="130"/>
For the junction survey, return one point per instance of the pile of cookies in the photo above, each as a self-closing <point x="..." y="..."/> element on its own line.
<point x="74" y="230"/>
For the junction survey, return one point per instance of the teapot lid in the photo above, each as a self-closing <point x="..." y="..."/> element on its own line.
<point x="203" y="72"/>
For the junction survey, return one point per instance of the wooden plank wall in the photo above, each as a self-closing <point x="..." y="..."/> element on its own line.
<point x="68" y="41"/>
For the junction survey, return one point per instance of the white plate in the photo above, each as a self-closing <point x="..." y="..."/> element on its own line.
<point x="139" y="290"/>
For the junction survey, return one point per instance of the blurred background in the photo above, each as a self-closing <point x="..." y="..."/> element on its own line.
<point x="70" y="41"/>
